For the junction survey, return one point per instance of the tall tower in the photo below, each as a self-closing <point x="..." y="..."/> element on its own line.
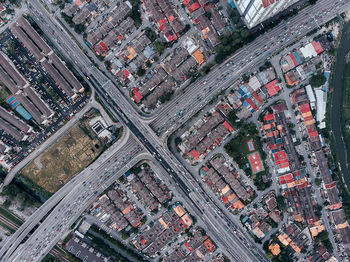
<point x="254" y="12"/>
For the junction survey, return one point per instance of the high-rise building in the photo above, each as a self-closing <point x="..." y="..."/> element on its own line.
<point x="254" y="12"/>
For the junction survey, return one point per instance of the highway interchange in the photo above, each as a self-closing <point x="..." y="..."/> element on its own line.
<point x="66" y="212"/>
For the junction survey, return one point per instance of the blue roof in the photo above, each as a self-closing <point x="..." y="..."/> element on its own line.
<point x="231" y="3"/>
<point x="297" y="57"/>
<point x="24" y="113"/>
<point x="241" y="92"/>
<point x="14" y="104"/>
<point x="11" y="99"/>
<point x="245" y="103"/>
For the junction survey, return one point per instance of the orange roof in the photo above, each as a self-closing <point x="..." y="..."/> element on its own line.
<point x="228" y="126"/>
<point x="299" y="218"/>
<point x="127" y="210"/>
<point x="290" y="81"/>
<point x="179" y="211"/>
<point x="316" y="230"/>
<point x="238" y="205"/>
<point x="137" y="224"/>
<point x="186" y="220"/>
<point x="209" y="245"/>
<point x="284" y="239"/>
<point x="132" y="52"/>
<point x="225" y="190"/>
<point x="78" y="2"/>
<point x="344" y="225"/>
<point x="231" y="197"/>
<point x="162" y="222"/>
<point x="267" y="126"/>
<point x="295" y="247"/>
<point x="257" y="231"/>
<point x="198" y="55"/>
<point x="275" y="249"/>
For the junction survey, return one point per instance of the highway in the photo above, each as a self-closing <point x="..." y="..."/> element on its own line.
<point x="120" y="105"/>
<point x="119" y="148"/>
<point x="78" y="198"/>
<point x="248" y="59"/>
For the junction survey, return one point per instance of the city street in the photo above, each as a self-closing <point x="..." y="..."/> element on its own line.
<point x="72" y="199"/>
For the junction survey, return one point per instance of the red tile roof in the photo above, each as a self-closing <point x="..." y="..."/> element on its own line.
<point x="228" y="127"/>
<point x="318" y="47"/>
<point x="195" y="154"/>
<point x="269" y="117"/>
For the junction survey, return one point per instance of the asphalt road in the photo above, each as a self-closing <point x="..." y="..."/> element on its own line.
<point x="248" y="59"/>
<point x="120" y="105"/>
<point x="119" y="148"/>
<point x="220" y="226"/>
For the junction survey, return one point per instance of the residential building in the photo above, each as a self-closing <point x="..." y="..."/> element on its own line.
<point x="255" y="12"/>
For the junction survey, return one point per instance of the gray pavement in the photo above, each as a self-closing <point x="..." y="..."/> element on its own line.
<point x="222" y="227"/>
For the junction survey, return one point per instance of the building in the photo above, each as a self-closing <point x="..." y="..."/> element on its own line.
<point x="49" y="60"/>
<point x="22" y="92"/>
<point x="254" y="12"/>
<point x="83" y="251"/>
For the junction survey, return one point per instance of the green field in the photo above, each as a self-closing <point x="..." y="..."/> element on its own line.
<point x="237" y="148"/>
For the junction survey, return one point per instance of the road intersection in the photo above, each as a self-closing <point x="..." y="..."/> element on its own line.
<point x="73" y="198"/>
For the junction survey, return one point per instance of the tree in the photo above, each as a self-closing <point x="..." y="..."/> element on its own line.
<point x="178" y="140"/>
<point x="68" y="19"/>
<point x="245" y="78"/>
<point x="159" y="46"/>
<point x="281" y="203"/>
<point x="208" y="14"/>
<point x="150" y="34"/>
<point x="107" y="64"/>
<point x="141" y="71"/>
<point x="11" y="45"/>
<point x="135" y="13"/>
<point x="317" y="80"/>
<point x="318" y="181"/>
<point x="148" y="64"/>
<point x="244" y="33"/>
<point x="79" y="28"/>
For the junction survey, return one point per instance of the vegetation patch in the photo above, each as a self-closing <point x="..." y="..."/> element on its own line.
<point x="238" y="149"/>
<point x="70" y="155"/>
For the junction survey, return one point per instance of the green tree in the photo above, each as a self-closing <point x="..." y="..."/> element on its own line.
<point x="11" y="45"/>
<point x="159" y="46"/>
<point x="244" y="33"/>
<point x="208" y="14"/>
<point x="317" y="80"/>
<point x="79" y="28"/>
<point x="141" y="71"/>
<point x="150" y="34"/>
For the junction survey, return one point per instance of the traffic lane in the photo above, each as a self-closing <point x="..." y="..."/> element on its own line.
<point x="62" y="192"/>
<point x="182" y="186"/>
<point x="237" y="57"/>
<point x="81" y="197"/>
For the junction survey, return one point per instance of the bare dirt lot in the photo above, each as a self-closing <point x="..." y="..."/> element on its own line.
<point x="71" y="154"/>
